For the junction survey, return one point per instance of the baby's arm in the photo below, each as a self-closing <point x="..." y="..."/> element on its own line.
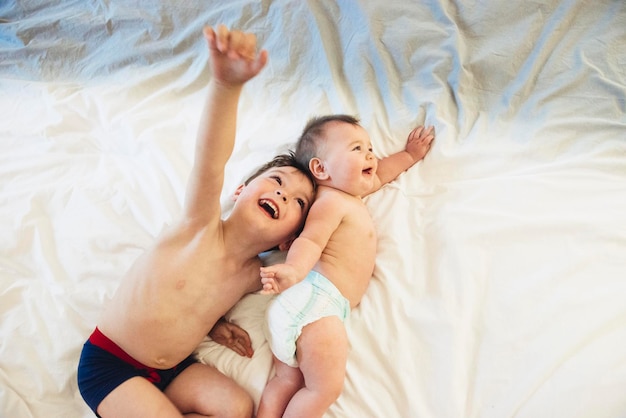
<point x="417" y="146"/>
<point x="234" y="60"/>
<point x="323" y="219"/>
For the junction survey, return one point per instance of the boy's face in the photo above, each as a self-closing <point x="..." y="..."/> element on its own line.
<point x="276" y="202"/>
<point x="347" y="158"/>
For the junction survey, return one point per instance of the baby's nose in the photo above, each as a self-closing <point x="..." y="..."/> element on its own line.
<point x="281" y="195"/>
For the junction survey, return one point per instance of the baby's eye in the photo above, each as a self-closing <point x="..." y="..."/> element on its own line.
<point x="357" y="148"/>
<point x="278" y="179"/>
<point x="301" y="203"/>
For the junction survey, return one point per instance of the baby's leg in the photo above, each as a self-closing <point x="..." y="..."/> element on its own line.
<point x="322" y="352"/>
<point x="279" y="390"/>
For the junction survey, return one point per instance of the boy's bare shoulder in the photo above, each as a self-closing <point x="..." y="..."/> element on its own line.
<point x="188" y="234"/>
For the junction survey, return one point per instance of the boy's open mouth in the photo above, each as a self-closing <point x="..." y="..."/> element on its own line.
<point x="269" y="207"/>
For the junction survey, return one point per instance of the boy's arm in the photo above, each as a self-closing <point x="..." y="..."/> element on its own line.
<point x="234" y="61"/>
<point x="232" y="336"/>
<point x="323" y="219"/>
<point x="417" y="145"/>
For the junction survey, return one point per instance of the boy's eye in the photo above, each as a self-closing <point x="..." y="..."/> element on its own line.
<point x="278" y="180"/>
<point x="357" y="148"/>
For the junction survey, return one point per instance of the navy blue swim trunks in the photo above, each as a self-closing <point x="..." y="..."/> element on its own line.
<point x="104" y="366"/>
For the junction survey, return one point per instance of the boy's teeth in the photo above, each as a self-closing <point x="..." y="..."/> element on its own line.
<point x="269" y="206"/>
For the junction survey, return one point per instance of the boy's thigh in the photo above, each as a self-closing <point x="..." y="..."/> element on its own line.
<point x="137" y="397"/>
<point x="204" y="390"/>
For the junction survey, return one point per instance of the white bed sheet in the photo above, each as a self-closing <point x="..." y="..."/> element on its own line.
<point x="501" y="271"/>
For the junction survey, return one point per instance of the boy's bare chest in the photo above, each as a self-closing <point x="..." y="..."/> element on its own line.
<point x="198" y="275"/>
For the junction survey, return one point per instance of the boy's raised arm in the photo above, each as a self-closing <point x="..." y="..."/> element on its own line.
<point x="234" y="60"/>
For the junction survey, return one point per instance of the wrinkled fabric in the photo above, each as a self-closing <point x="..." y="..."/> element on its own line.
<point x="499" y="283"/>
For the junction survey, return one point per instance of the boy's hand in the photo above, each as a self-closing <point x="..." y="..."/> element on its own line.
<point x="419" y="141"/>
<point x="234" y="58"/>
<point x="233" y="337"/>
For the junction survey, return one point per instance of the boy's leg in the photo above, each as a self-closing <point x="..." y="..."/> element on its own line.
<point x="201" y="390"/>
<point x="279" y="390"/>
<point x="322" y="351"/>
<point x="137" y="397"/>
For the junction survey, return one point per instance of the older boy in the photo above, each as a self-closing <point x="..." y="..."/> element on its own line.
<point x="138" y="360"/>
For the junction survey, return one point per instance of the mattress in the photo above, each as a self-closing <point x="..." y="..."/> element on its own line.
<point x="500" y="276"/>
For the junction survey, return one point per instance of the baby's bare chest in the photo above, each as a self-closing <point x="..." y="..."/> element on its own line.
<point x="356" y="234"/>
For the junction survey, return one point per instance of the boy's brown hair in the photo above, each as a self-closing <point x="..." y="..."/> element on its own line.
<point x="283" y="160"/>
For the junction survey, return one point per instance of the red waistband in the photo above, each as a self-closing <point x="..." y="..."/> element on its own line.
<point x="98" y="339"/>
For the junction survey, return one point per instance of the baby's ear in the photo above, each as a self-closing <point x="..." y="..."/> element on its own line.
<point x="237" y="192"/>
<point x="317" y="169"/>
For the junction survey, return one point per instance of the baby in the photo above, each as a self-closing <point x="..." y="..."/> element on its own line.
<point x="328" y="267"/>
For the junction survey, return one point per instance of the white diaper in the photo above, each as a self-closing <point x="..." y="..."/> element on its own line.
<point x="305" y="302"/>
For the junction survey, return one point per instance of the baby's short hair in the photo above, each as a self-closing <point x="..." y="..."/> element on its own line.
<point x="307" y="145"/>
<point x="282" y="160"/>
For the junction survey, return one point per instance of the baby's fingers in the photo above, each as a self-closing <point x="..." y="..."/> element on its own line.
<point x="415" y="133"/>
<point x="267" y="274"/>
<point x="268" y="290"/>
<point x="422" y="134"/>
<point x="269" y="286"/>
<point x="430" y="132"/>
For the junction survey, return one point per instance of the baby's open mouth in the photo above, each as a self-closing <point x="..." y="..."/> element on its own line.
<point x="269" y="207"/>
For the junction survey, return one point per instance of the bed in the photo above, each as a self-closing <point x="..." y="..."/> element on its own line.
<point x="500" y="283"/>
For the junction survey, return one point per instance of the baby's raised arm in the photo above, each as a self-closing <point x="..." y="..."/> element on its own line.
<point x="417" y="146"/>
<point x="234" y="60"/>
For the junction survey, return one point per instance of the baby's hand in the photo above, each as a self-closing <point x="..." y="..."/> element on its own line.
<point x="277" y="278"/>
<point x="234" y="57"/>
<point x="419" y="141"/>
<point x="268" y="279"/>
<point x="270" y="286"/>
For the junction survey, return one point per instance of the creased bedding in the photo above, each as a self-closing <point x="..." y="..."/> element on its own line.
<point x="500" y="279"/>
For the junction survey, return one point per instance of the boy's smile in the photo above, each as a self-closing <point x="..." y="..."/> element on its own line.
<point x="275" y="202"/>
<point x="270" y="207"/>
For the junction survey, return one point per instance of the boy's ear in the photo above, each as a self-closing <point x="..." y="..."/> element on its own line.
<point x="317" y="169"/>
<point x="237" y="192"/>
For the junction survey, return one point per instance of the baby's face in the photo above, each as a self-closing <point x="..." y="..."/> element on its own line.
<point x="348" y="158"/>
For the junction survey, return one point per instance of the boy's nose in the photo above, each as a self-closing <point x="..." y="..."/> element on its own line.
<point x="281" y="195"/>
